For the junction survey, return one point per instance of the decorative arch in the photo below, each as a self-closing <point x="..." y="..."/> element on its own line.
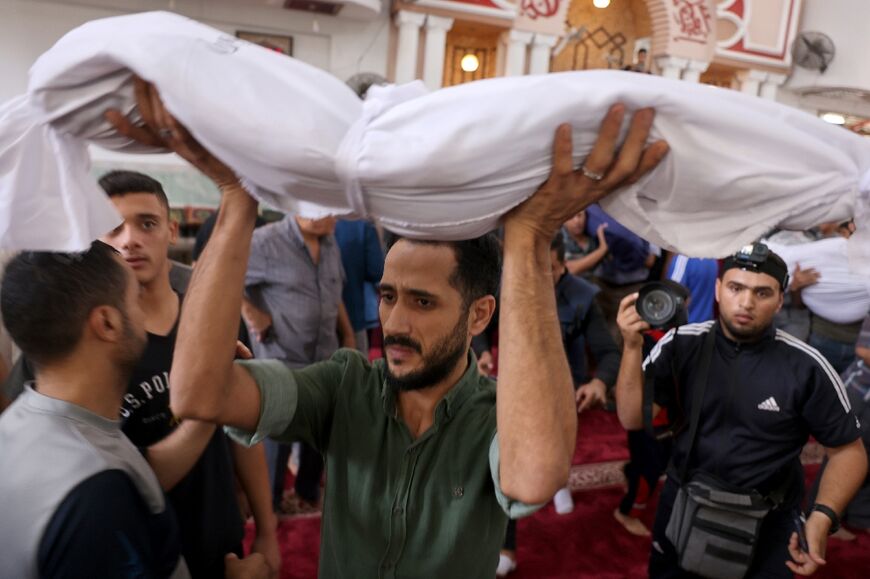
<point x="601" y="38"/>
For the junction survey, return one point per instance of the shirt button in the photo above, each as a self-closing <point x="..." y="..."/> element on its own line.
<point x="458" y="492"/>
<point x="398" y="511"/>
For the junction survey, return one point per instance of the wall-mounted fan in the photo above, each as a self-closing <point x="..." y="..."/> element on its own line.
<point x="813" y="50"/>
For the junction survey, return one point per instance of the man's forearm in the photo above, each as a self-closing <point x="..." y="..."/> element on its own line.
<point x="173" y="457"/>
<point x="629" y="389"/>
<point x="537" y="419"/>
<point x="587" y="262"/>
<point x="843" y="476"/>
<point x="204" y="352"/>
<point x="253" y="475"/>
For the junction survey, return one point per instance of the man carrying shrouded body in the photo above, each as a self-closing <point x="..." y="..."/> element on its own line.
<point x="420" y="476"/>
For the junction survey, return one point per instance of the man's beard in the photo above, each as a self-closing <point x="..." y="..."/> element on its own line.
<point x="132" y="348"/>
<point x="744" y="335"/>
<point x="436" y="366"/>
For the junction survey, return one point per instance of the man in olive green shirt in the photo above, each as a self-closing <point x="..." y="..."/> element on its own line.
<point x="423" y="462"/>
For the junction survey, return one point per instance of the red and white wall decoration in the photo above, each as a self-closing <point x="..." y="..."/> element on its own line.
<point x="757" y="31"/>
<point x="693" y="20"/>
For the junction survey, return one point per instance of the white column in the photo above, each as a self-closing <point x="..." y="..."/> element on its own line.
<point x="409" y="41"/>
<point x="433" y="50"/>
<point x="694" y="69"/>
<point x="542" y="47"/>
<point x="518" y="44"/>
<point x="771" y="85"/>
<point x="750" y="81"/>
<point x="671" y="66"/>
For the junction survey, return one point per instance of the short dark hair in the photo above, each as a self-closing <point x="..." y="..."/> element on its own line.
<point x="643" y="50"/>
<point x="478" y="264"/>
<point x="120" y="183"/>
<point x="558" y="245"/>
<point x="46" y="298"/>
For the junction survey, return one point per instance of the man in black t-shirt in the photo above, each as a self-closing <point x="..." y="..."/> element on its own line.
<point x="193" y="460"/>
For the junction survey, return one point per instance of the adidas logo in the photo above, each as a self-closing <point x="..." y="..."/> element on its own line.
<point x="770" y="405"/>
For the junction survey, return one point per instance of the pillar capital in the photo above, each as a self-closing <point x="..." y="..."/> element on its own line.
<point x="407" y="18"/>
<point x="520" y="37"/>
<point x="547" y="40"/>
<point x="438" y="23"/>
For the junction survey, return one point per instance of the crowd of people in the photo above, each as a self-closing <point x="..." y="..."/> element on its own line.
<point x="168" y="401"/>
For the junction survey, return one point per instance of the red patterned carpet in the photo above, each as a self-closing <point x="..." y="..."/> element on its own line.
<point x="585" y="544"/>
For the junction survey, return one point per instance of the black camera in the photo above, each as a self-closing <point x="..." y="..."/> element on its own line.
<point x="662" y="304"/>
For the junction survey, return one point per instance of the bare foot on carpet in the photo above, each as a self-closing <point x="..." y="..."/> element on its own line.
<point x="632" y="525"/>
<point x="844" y="534"/>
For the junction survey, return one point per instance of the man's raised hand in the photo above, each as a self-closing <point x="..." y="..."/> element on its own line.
<point x="569" y="190"/>
<point x="161" y="129"/>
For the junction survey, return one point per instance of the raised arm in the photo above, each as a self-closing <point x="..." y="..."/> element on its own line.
<point x="629" y="381"/>
<point x="590" y="260"/>
<point x="205" y="383"/>
<point x="537" y="422"/>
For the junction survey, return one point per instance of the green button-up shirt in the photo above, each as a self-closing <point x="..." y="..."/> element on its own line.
<point x="394" y="506"/>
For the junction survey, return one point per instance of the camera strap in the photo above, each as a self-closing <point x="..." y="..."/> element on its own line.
<point x="649" y="387"/>
<point x="700" y="388"/>
<point x="648" y="402"/>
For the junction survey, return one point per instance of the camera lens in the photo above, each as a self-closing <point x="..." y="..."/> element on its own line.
<point x="658" y="306"/>
<point x="662" y="304"/>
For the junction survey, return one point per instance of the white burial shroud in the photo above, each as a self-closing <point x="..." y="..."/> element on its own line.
<point x="446" y="164"/>
<point x="840" y="295"/>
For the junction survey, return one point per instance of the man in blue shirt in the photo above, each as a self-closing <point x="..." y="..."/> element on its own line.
<point x="363" y="261"/>
<point x="625" y="268"/>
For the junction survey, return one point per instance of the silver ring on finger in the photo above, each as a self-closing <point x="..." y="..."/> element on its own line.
<point x="165" y="134"/>
<point x="589" y="174"/>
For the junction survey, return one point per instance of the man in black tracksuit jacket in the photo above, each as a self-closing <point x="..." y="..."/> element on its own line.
<point x="766" y="393"/>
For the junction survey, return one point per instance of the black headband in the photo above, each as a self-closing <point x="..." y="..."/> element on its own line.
<point x="758" y="258"/>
